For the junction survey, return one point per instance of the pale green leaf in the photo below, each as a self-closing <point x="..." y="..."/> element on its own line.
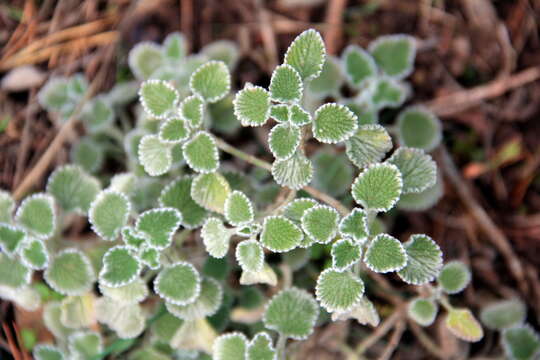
<point x="158" y="98"/>
<point x="388" y="92"/>
<point x="52" y="311"/>
<point x="127" y="320"/>
<point x="321" y="223"/>
<point x="210" y="191"/>
<point x="299" y="116"/>
<point x="345" y="253"/>
<point x="364" y="312"/>
<point x="378" y="187"/>
<point x="7" y="205"/>
<point x="173" y="131"/>
<point x="11" y="238"/>
<point x="48" y="352"/>
<point x="201" y="153"/>
<point x="179" y="284"/>
<point x="206" y="304"/>
<point x="418" y="170"/>
<point x="13" y="273"/>
<point x="165" y="326"/>
<point x="280" y="234"/>
<point x="294" y="172"/>
<point x="144" y="59"/>
<point x="98" y="115"/>
<point x="424" y="260"/>
<point x="292" y="313"/>
<point x="70" y="273"/>
<point x="504" y="314"/>
<point x="85" y="345"/>
<point x="178" y="195"/>
<point x="238" y="209"/>
<point x="462" y="324"/>
<point x="454" y="277"/>
<point x="261" y="348"/>
<point x="286" y="84"/>
<point x="53" y="96"/>
<point x="280" y="113"/>
<point x="265" y="276"/>
<point x="521" y="343"/>
<point x="307" y="54"/>
<point x="37" y="215"/>
<point x="363" y="108"/>
<point x="174" y="47"/>
<point x="133" y="238"/>
<point x="150" y="257"/>
<point x="78" y="311"/>
<point x="419" y="128"/>
<point x="34" y="254"/>
<point x="385" y="254"/>
<point x="132" y="293"/>
<point x="124" y="183"/>
<point x="73" y="189"/>
<point x="252" y="106"/>
<point x="296" y="208"/>
<point x="223" y="50"/>
<point x="192" y="111"/>
<point x="333" y="173"/>
<point x="423" y="200"/>
<point x="355" y="226"/>
<point x="250" y="230"/>
<point x="394" y="54"/>
<point x="88" y="154"/>
<point x="231" y="346"/>
<point x="358" y="65"/>
<point x="422" y="311"/>
<point x="368" y="145"/>
<point x="215" y="237"/>
<point x="329" y="82"/>
<point x="108" y="213"/>
<point x="211" y="81"/>
<point x="154" y="155"/>
<point x="159" y="225"/>
<point x="120" y="267"/>
<point x="338" y="291"/>
<point x="333" y="123"/>
<point x="250" y="255"/>
<point x="284" y="140"/>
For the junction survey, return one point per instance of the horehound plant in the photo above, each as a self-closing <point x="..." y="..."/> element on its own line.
<point x="176" y="202"/>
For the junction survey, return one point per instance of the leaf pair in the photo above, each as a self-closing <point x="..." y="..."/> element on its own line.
<point x="235" y="346"/>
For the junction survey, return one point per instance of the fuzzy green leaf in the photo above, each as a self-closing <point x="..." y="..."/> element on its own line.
<point x="7" y="205"/>
<point x="296" y="208"/>
<point x="333" y="123"/>
<point x="345" y="253"/>
<point x="108" y="213"/>
<point x="285" y="84"/>
<point x="252" y="106"/>
<point x="423" y="311"/>
<point x="210" y="191"/>
<point x="355" y="226"/>
<point x="521" y="343"/>
<point x="48" y="352"/>
<point x="329" y="81"/>
<point x="231" y="346"/>
<point x="174" y="47"/>
<point x="34" y="254"/>
<point x="385" y="254"/>
<point x="284" y="140"/>
<point x="70" y="273"/>
<point x="201" y="153"/>
<point x="424" y="260"/>
<point x="294" y="172"/>
<point x="265" y="276"/>
<point x="503" y="314"/>
<point x="358" y="64"/>
<point x="88" y="154"/>
<point x="223" y="50"/>
<point x="261" y="348"/>
<point x="178" y="195"/>
<point x="299" y="116"/>
<point x="418" y="170"/>
<point x="423" y="200"/>
<point x="454" y="277"/>
<point x="150" y="257"/>
<point x="85" y="345"/>
<point x="378" y="187"/>
<point x="98" y="115"/>
<point x="211" y="81"/>
<point x="173" y="131"/>
<point x="36" y="214"/>
<point x="159" y="225"/>
<point x="320" y="223"/>
<point x="364" y="312"/>
<point x="179" y="284"/>
<point x="207" y="303"/>
<point x="368" y="145"/>
<point x="127" y="320"/>
<point x="280" y="234"/>
<point x="144" y="59"/>
<point x="419" y="128"/>
<point x="132" y="293"/>
<point x="388" y="92"/>
<point x="394" y="54"/>
<point x="333" y="173"/>
<point x="307" y="54"/>
<point x="133" y="238"/>
<point x="292" y="313"/>
<point x="78" y="311"/>
<point x="192" y="111"/>
<point x="462" y="324"/>
<point x="238" y="209"/>
<point x="120" y="267"/>
<point x="13" y="273"/>
<point x="155" y="155"/>
<point x="11" y="239"/>
<point x="158" y="98"/>
<point x="215" y="237"/>
<point x="73" y="189"/>
<point x="250" y="255"/>
<point x="338" y="291"/>
<point x="53" y="95"/>
<point x="280" y="113"/>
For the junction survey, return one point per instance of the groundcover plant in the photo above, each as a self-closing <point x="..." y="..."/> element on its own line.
<point x="193" y="259"/>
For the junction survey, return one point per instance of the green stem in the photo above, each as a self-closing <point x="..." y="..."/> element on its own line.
<point x="280" y="346"/>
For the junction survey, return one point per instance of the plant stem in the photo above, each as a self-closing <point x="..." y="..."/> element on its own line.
<point x="267" y="166"/>
<point x="280" y="346"/>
